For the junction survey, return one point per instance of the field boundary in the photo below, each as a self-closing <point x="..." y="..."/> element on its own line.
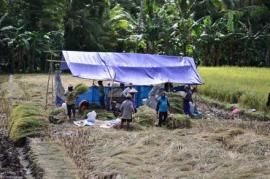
<point x="258" y="116"/>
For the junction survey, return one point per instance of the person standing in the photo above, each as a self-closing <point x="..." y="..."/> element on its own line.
<point x="187" y="100"/>
<point x="70" y="101"/>
<point x="127" y="109"/>
<point x="101" y="94"/>
<point x="162" y="108"/>
<point x="127" y="89"/>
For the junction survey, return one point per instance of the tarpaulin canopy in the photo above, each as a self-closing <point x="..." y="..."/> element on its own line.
<point x="139" y="69"/>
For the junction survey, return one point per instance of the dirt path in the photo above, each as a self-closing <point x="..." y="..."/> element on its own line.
<point x="52" y="159"/>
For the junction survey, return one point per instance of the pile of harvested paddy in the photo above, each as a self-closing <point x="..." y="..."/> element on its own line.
<point x="26" y="120"/>
<point x="176" y="102"/>
<point x="145" y="116"/>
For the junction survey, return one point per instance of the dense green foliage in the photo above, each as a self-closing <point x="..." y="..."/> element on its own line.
<point x="26" y="121"/>
<point x="214" y="32"/>
<point x="248" y="87"/>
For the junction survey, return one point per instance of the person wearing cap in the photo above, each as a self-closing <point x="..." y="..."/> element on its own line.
<point x="162" y="108"/>
<point x="127" y="109"/>
<point x="132" y="91"/>
<point x="127" y="89"/>
<point x="70" y="101"/>
<point x="101" y="94"/>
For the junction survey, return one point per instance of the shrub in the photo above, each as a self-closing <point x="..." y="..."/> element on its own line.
<point x="27" y="120"/>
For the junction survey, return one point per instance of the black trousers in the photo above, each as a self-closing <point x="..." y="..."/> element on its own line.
<point x="101" y="101"/>
<point x="71" y="108"/>
<point x="162" y="118"/>
<point x="125" y="120"/>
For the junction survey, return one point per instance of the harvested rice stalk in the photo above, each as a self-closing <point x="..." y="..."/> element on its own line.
<point x="80" y="88"/>
<point x="145" y="116"/>
<point x="102" y="114"/>
<point x="56" y="111"/>
<point x="27" y="120"/>
<point x="178" y="121"/>
<point x="57" y="116"/>
<point x="176" y="102"/>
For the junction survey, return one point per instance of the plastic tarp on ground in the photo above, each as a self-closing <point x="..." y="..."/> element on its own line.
<point x="139" y="69"/>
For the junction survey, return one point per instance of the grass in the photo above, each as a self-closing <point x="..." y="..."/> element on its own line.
<point x="247" y="86"/>
<point x="26" y="120"/>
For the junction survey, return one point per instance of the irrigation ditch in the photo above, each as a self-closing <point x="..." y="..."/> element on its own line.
<point x="15" y="161"/>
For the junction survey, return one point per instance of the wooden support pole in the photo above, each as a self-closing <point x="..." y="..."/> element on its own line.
<point x="48" y="83"/>
<point x="52" y="69"/>
<point x="111" y="95"/>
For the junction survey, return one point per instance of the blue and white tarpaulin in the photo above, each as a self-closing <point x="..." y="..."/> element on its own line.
<point x="139" y="69"/>
<point x="59" y="89"/>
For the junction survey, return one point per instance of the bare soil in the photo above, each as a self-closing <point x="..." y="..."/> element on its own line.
<point x="10" y="166"/>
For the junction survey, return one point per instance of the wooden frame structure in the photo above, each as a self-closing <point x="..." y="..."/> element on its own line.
<point x="50" y="76"/>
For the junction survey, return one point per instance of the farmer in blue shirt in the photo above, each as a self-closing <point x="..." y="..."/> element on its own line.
<point x="162" y="109"/>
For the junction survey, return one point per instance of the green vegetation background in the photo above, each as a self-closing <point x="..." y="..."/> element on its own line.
<point x="214" y="32"/>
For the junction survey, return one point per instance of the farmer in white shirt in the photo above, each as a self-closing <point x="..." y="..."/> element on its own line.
<point x="126" y="91"/>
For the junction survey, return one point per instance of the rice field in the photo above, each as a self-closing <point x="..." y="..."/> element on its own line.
<point x="249" y="87"/>
<point x="211" y="148"/>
